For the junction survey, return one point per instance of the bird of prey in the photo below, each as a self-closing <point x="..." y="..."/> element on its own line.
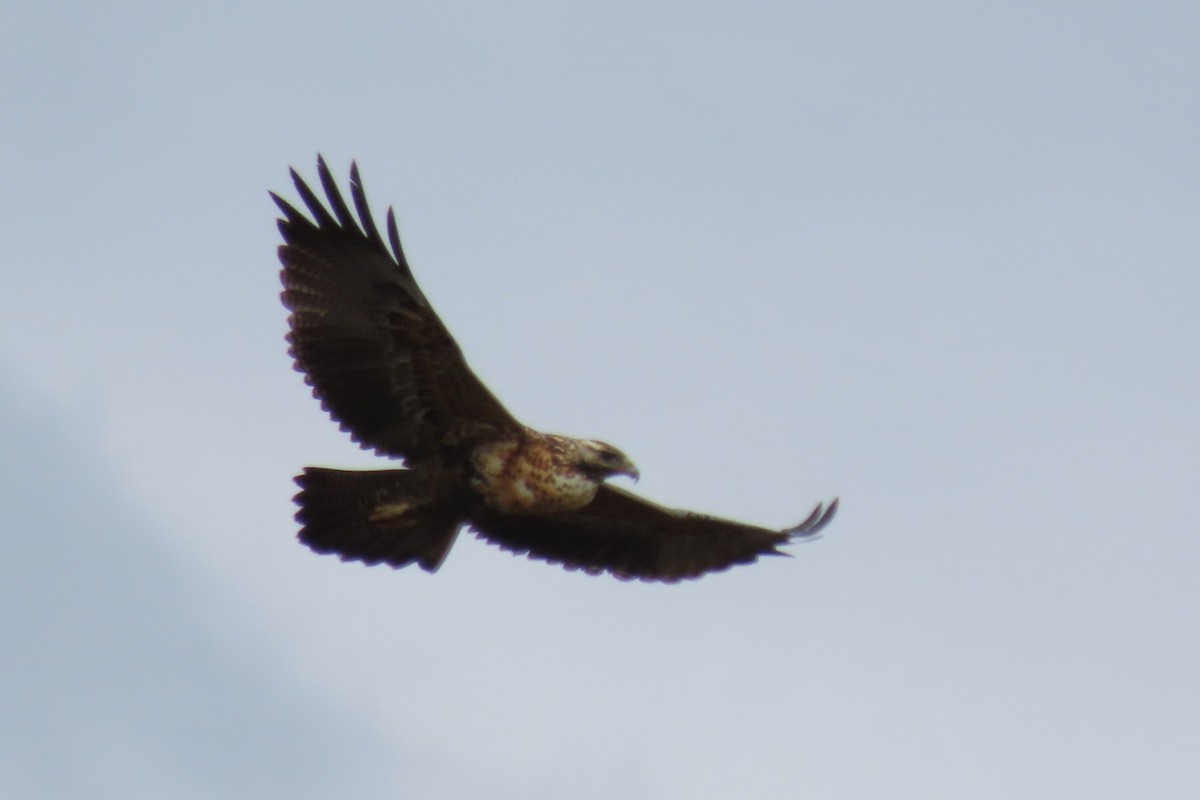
<point x="384" y="366"/>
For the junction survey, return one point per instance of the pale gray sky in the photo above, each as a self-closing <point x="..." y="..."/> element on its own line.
<point x="940" y="259"/>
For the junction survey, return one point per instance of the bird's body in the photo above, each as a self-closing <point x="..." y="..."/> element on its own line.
<point x="385" y="367"/>
<point x="533" y="474"/>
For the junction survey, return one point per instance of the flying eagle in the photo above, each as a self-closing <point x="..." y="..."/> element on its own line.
<point x="385" y="367"/>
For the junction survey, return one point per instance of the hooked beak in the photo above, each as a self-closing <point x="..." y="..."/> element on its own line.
<point x="630" y="469"/>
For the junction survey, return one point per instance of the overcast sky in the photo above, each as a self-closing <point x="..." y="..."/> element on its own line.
<point x="940" y="259"/>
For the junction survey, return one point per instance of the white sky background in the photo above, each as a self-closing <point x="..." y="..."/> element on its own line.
<point x="940" y="259"/>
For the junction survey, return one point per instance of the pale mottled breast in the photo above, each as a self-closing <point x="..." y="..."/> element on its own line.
<point x="533" y="475"/>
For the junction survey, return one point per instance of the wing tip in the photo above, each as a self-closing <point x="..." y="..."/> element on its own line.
<point x="815" y="523"/>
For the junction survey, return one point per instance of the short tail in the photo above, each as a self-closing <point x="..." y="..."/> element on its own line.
<point x="393" y="516"/>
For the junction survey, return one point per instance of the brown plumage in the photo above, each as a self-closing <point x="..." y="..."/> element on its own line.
<point x="384" y="366"/>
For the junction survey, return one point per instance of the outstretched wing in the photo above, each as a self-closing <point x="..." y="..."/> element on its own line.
<point x="632" y="538"/>
<point x="377" y="356"/>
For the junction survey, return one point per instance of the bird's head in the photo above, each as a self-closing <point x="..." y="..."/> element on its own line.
<point x="604" y="460"/>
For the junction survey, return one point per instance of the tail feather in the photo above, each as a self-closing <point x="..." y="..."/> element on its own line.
<point x="395" y="516"/>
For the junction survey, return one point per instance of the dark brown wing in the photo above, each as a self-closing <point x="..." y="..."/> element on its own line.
<point x="632" y="538"/>
<point x="377" y="356"/>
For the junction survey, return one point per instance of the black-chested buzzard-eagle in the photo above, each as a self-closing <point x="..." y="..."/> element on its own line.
<point x="384" y="366"/>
